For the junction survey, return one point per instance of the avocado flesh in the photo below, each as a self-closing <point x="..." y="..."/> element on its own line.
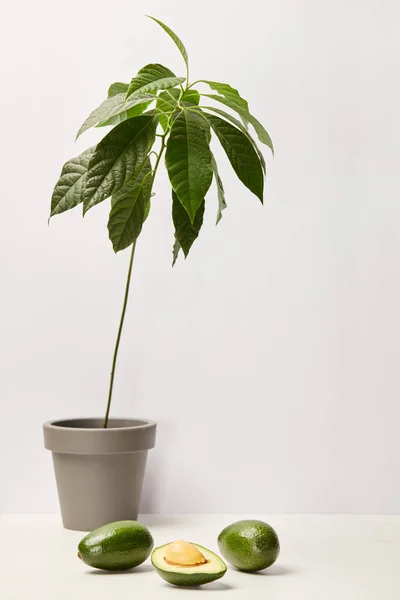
<point x="116" y="546"/>
<point x="212" y="570"/>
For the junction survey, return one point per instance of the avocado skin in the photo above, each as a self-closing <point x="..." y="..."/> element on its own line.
<point x="116" y="546"/>
<point x="188" y="579"/>
<point x="249" y="545"/>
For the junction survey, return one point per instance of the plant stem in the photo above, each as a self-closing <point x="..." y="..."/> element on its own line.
<point x="127" y="286"/>
<point x="194" y="83"/>
<point x="158" y="159"/>
<point x="121" y="324"/>
<point x="187" y="77"/>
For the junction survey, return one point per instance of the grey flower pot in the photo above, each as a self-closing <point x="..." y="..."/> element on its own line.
<point x="99" y="472"/>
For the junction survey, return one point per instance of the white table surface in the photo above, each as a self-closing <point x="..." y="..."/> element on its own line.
<point x="323" y="557"/>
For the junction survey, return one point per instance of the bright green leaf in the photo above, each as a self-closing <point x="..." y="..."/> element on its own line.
<point x="161" y="84"/>
<point x="188" y="161"/>
<point x="229" y="93"/>
<point x="102" y="112"/>
<point x="241" y="154"/>
<point x="148" y="77"/>
<point x="167" y="102"/>
<point x="69" y="189"/>
<point x="191" y="97"/>
<point x="185" y="231"/>
<point x="175" y="38"/>
<point x="148" y="74"/>
<point x="135" y="111"/>
<point x="238" y="124"/>
<point x="132" y="107"/>
<point x="262" y="134"/>
<point x="128" y="209"/>
<point x="117" y="157"/>
<point x="110" y="108"/>
<point x="117" y="88"/>
<point x="152" y="78"/>
<point x="220" y="190"/>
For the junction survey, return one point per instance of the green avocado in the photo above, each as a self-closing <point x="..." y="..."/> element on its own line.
<point x="117" y="546"/>
<point x="249" y="545"/>
<point x="188" y="575"/>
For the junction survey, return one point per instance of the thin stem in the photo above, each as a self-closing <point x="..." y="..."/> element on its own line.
<point x="121" y="324"/>
<point x="194" y="108"/>
<point x="187" y="75"/>
<point x="194" y="83"/>
<point x="127" y="286"/>
<point x="180" y="96"/>
<point x="152" y="152"/>
<point x="158" y="158"/>
<point x="161" y="112"/>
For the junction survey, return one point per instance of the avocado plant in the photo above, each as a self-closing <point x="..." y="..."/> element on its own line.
<point x="159" y="114"/>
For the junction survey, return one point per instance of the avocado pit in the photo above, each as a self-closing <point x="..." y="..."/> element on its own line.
<point x="183" y="554"/>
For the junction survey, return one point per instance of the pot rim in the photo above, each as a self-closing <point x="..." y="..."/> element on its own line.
<point x="56" y="424"/>
<point x="127" y="435"/>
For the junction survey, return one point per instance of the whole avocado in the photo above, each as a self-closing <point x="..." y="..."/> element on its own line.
<point x="116" y="546"/>
<point x="249" y="545"/>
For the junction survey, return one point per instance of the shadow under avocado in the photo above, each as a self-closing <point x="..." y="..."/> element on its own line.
<point x="216" y="586"/>
<point x="271" y="571"/>
<point x="140" y="569"/>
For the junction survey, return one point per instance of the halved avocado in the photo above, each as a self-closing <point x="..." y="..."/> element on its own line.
<point x="208" y="567"/>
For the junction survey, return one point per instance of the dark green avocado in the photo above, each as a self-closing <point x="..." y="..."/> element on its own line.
<point x="117" y="546"/>
<point x="249" y="545"/>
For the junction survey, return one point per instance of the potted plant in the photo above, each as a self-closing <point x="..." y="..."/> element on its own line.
<point x="100" y="462"/>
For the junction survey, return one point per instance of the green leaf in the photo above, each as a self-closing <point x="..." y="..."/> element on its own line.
<point x="185" y="231"/>
<point x="167" y="102"/>
<point x="241" y="154"/>
<point x="152" y="78"/>
<point x="148" y="74"/>
<point x="133" y="107"/>
<point x="229" y="93"/>
<point x="190" y="97"/>
<point x="238" y="124"/>
<point x="69" y="189"/>
<point x="262" y="134"/>
<point x="135" y="111"/>
<point x="117" y="88"/>
<point x="203" y="122"/>
<point x="188" y="161"/>
<point x="136" y="179"/>
<point x="128" y="209"/>
<point x="175" y="38"/>
<point x="147" y="206"/>
<point x="102" y="112"/>
<point x="110" y="108"/>
<point x="220" y="189"/>
<point x="175" y="251"/>
<point x="118" y="156"/>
